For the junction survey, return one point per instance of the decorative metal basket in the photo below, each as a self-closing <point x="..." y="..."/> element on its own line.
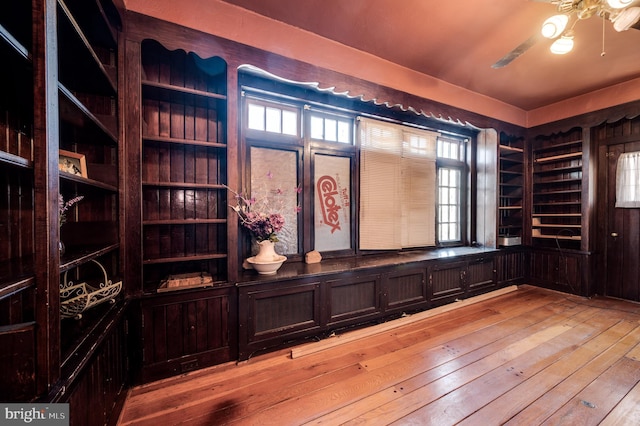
<point x="77" y="298"/>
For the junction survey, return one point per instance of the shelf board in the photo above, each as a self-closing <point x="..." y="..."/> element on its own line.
<point x="511" y="160"/>
<point x="558" y="146"/>
<point x="73" y="38"/>
<point x="568" y="191"/>
<point x="556" y="215"/>
<point x="86" y="181"/>
<point x="560" y="203"/>
<point x="183" y="259"/>
<point x="16" y="275"/>
<point x="558" y="157"/>
<point x="184" y="141"/>
<point x="14" y="44"/>
<point x="558" y="170"/>
<point x="99" y="31"/>
<point x="79" y="64"/>
<point x="76" y="257"/>
<point x="555" y="225"/>
<point x="559" y="181"/>
<point x="510" y="172"/>
<point x="558" y="237"/>
<point x="184" y="185"/>
<point x="184" y="222"/>
<point x="510" y="208"/>
<point x="511" y="148"/>
<point x="85" y="114"/>
<point x="15" y="160"/>
<point x="183" y="90"/>
<point x="512" y="185"/>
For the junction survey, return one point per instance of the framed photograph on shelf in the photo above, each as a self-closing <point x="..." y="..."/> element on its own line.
<point x="72" y="163"/>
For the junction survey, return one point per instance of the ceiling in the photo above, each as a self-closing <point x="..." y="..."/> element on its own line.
<point x="458" y="40"/>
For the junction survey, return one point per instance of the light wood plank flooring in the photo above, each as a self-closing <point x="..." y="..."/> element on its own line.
<point x="524" y="358"/>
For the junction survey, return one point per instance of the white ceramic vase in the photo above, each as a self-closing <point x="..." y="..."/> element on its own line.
<point x="267" y="261"/>
<point x="266" y="252"/>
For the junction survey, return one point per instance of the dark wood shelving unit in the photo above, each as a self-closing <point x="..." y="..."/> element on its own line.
<point x="18" y="173"/>
<point x="511" y="162"/>
<point x="184" y="210"/>
<point x="557" y="191"/>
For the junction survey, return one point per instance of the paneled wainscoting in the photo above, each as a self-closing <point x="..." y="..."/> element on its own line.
<point x="524" y="358"/>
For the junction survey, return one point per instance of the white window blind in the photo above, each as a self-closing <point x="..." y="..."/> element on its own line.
<point x="419" y="188"/>
<point x="628" y="180"/>
<point x="397" y="186"/>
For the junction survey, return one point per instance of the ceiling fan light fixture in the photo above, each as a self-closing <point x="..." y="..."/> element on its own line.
<point x="619" y="4"/>
<point x="626" y="19"/>
<point x="554" y="26"/>
<point x="563" y="45"/>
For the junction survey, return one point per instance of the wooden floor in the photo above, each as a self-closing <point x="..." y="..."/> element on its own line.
<point x="524" y="358"/>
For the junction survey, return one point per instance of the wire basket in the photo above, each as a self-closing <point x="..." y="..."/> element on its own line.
<point x="77" y="298"/>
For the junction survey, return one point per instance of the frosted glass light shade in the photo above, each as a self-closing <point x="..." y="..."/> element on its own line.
<point x="619" y="4"/>
<point x="626" y="19"/>
<point x="562" y="45"/>
<point x="554" y="26"/>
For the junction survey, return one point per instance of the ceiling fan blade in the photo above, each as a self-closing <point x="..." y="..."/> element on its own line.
<point x="519" y="50"/>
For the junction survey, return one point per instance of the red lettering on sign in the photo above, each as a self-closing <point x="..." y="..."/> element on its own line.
<point x="327" y="191"/>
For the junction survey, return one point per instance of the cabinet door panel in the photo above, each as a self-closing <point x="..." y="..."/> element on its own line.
<point x="406" y="288"/>
<point x="186" y="331"/>
<point x="351" y="297"/>
<point x="447" y="281"/>
<point x="480" y="275"/>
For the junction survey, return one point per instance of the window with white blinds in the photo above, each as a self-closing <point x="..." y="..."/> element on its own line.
<point x="628" y="180"/>
<point x="397" y="186"/>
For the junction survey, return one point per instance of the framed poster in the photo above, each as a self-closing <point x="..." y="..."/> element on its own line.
<point x="332" y="203"/>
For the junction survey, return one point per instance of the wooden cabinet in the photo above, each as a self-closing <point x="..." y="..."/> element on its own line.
<point x="274" y="312"/>
<point x="568" y="271"/>
<point x="511" y="190"/>
<point x="510" y="267"/>
<point x="88" y="139"/>
<point x="96" y="396"/>
<point x="556" y="217"/>
<point x="446" y="281"/>
<point x="405" y="288"/>
<point x="58" y="96"/>
<point x="183" y="165"/>
<point x="185" y="331"/>
<point x="461" y="278"/>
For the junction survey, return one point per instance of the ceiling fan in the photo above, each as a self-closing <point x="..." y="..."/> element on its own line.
<point x="624" y="14"/>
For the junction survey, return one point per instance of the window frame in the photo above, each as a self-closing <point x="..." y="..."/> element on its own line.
<point x="462" y="165"/>
<point x="304" y="97"/>
<point x="306" y="148"/>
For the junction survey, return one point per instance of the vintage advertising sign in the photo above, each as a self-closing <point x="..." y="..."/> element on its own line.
<point x="332" y="187"/>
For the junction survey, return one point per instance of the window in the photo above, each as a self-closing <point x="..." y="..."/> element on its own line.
<point x="628" y="180"/>
<point x="398" y="182"/>
<point x="273" y="119"/>
<point x="448" y="204"/>
<point x="279" y="133"/>
<point x="331" y="129"/>
<point x="451" y="166"/>
<point x="407" y="184"/>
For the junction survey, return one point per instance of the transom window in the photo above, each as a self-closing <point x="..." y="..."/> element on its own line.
<point x="273" y="119"/>
<point x="331" y="129"/>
